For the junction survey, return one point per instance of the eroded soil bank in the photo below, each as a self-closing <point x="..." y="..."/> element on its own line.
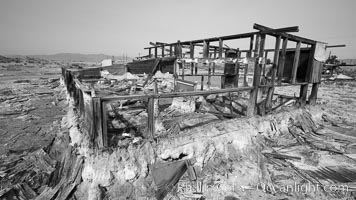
<point x="291" y="154"/>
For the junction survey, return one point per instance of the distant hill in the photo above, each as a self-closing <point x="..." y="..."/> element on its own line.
<point x="77" y="57"/>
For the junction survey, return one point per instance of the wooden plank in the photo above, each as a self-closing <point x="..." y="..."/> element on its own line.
<point x="304" y="88"/>
<point x="264" y="66"/>
<point x="170" y="50"/>
<point x="191" y="57"/>
<point x="205" y="49"/>
<point x="209" y="75"/>
<point x="97" y="120"/>
<point x="149" y="52"/>
<point x="162" y="51"/>
<point x="215" y="39"/>
<point x="150" y="118"/>
<point x="260" y="42"/>
<point x="303" y="95"/>
<point x="104" y="123"/>
<point x="269" y="30"/>
<point x="156" y="52"/>
<point x="237" y="74"/>
<point x="270" y="92"/>
<point x="175" y="94"/>
<point x="295" y="63"/>
<point x="285" y="35"/>
<point x="202" y="83"/>
<point x="249" y="54"/>
<point x="314" y="94"/>
<point x="282" y="61"/>
<point x="220" y="48"/>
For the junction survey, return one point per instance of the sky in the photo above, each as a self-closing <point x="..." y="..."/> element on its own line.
<point x="30" y="27"/>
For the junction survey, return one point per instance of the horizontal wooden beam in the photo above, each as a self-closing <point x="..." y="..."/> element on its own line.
<point x="290" y="37"/>
<point x="175" y="94"/>
<point x="213" y="39"/>
<point x="286" y="29"/>
<point x="335" y="46"/>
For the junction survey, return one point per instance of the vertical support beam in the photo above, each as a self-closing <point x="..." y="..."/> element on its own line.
<point x="202" y="83"/>
<point x="162" y="51"/>
<point x="282" y="61"/>
<point x="220" y="48"/>
<point x="296" y="63"/>
<point x="175" y="75"/>
<point x="249" y="54"/>
<point x="303" y="95"/>
<point x="155" y="52"/>
<point x="149" y="52"/>
<point x="270" y="92"/>
<point x="214" y="64"/>
<point x="205" y="49"/>
<point x="105" y="123"/>
<point x="260" y="41"/>
<point x="237" y="74"/>
<point x="304" y="88"/>
<point x="192" y="57"/>
<point x="264" y="66"/>
<point x="209" y="75"/>
<point x="183" y="66"/>
<point x="170" y="50"/>
<point x="150" y="118"/>
<point x="97" y="120"/>
<point x="206" y="56"/>
<point x="314" y="94"/>
<point x="180" y="52"/>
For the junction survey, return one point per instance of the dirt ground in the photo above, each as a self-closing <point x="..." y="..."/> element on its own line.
<point x="31" y="107"/>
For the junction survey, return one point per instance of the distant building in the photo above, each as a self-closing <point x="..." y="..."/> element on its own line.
<point x="106" y="62"/>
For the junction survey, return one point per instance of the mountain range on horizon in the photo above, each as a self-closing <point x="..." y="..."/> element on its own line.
<point x="75" y="57"/>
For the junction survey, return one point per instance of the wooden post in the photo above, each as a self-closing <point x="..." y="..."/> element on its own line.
<point x="183" y="65"/>
<point x="249" y="54"/>
<point x="105" y="123"/>
<point x="313" y="94"/>
<point x="155" y="52"/>
<point x="170" y="50"/>
<point x="202" y="83"/>
<point x="220" y="48"/>
<point x="295" y="63"/>
<point x="303" y="95"/>
<point x="191" y="57"/>
<point x="215" y="53"/>
<point x="270" y="92"/>
<point x="237" y="74"/>
<point x="149" y="52"/>
<point x="264" y="65"/>
<point x="162" y="51"/>
<point x="209" y="75"/>
<point x="180" y="52"/>
<point x="97" y="120"/>
<point x="150" y="118"/>
<point x="175" y="76"/>
<point x="205" y="49"/>
<point x="282" y="61"/>
<point x="304" y="88"/>
<point x="315" y="86"/>
<point x="260" y="40"/>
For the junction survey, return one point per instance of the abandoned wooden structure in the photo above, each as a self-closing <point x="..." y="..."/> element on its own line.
<point x="290" y="66"/>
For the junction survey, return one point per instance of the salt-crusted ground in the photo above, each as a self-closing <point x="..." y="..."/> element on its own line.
<point x="255" y="158"/>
